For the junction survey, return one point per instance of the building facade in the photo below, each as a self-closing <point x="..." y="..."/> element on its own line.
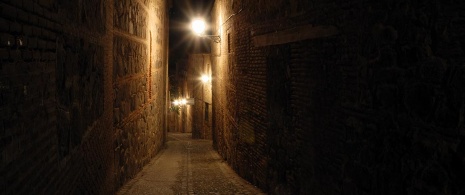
<point x="340" y="97"/>
<point x="201" y="91"/>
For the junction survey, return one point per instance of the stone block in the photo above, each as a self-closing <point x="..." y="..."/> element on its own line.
<point x="27" y="30"/>
<point x="36" y="54"/>
<point x="47" y="34"/>
<point x="38" y="9"/>
<point x="46" y="3"/>
<point x="51" y="45"/>
<point x="15" y="54"/>
<point x="4" y="25"/>
<point x="41" y="44"/>
<point x="129" y="59"/>
<point x="9" y="11"/>
<point x="27" y="54"/>
<point x="28" y="6"/>
<point x="16" y="28"/>
<point x="133" y="22"/>
<point x="42" y="22"/>
<point x="37" y="31"/>
<point x="23" y="16"/>
<point x="32" y="42"/>
<point x="4" y="54"/>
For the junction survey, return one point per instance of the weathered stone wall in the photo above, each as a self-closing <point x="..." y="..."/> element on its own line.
<point x="376" y="108"/>
<point x="82" y="93"/>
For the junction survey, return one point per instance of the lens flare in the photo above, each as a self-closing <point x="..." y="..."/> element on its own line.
<point x="198" y="26"/>
<point x="205" y="78"/>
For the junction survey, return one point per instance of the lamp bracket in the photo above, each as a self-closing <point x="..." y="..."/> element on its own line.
<point x="214" y="38"/>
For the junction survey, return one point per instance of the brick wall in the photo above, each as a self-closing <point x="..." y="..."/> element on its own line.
<point x="82" y="93"/>
<point x="375" y="108"/>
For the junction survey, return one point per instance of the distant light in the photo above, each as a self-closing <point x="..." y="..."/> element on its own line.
<point x="205" y="78"/>
<point x="176" y="102"/>
<point x="198" y="26"/>
<point x="183" y="102"/>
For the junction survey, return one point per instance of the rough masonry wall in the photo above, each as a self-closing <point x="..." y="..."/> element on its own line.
<point x="378" y="108"/>
<point x="82" y="93"/>
<point x="139" y="75"/>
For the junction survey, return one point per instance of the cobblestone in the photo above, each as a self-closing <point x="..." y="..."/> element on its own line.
<point x="187" y="166"/>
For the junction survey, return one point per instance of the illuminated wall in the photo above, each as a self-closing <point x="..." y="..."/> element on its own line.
<point x="201" y="91"/>
<point x="83" y="87"/>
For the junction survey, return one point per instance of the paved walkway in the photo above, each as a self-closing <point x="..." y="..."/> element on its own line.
<point x="187" y="166"/>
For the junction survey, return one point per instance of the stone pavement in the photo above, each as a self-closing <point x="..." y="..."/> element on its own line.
<point x="187" y="166"/>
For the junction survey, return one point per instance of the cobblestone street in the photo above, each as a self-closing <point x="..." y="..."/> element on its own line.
<point x="187" y="166"/>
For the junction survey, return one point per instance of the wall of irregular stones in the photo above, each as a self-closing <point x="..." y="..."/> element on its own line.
<point x="378" y="108"/>
<point x="82" y="93"/>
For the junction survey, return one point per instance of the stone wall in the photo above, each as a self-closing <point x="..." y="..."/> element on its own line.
<point x="82" y="93"/>
<point x="374" y="105"/>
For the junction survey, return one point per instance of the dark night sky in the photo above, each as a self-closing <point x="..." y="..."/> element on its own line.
<point x="181" y="41"/>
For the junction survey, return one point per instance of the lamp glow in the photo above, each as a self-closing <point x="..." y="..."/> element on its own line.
<point x="205" y="78"/>
<point x="198" y="26"/>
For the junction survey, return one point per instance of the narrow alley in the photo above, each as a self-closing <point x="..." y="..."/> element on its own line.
<point x="281" y="97"/>
<point x="187" y="166"/>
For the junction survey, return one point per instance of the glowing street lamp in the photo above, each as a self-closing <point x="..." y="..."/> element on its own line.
<point x="180" y="102"/>
<point x="205" y="78"/>
<point x="199" y="26"/>
<point x="183" y="101"/>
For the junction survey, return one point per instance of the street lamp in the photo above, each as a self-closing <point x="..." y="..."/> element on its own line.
<point x="205" y="78"/>
<point x="183" y="101"/>
<point x="199" y="26"/>
<point x="180" y="102"/>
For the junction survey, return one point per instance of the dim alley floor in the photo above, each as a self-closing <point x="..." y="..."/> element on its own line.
<point x="187" y="166"/>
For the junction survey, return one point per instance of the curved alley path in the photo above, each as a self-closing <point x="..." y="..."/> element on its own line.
<point x="187" y="166"/>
